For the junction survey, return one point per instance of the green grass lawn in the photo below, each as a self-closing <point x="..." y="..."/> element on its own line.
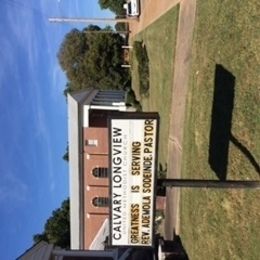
<point x="159" y="40"/>
<point x="217" y="224"/>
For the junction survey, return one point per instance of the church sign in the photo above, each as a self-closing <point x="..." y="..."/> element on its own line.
<point x="133" y="163"/>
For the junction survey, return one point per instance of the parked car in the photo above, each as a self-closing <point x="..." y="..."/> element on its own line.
<point x="132" y="7"/>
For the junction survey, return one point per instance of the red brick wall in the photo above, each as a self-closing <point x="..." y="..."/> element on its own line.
<point x="94" y="156"/>
<point x="99" y="134"/>
<point x="92" y="192"/>
<point x="91" y="162"/>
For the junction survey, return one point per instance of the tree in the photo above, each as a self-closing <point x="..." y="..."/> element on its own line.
<point x="66" y="155"/>
<point x="57" y="227"/>
<point x="116" y="6"/>
<point x="93" y="59"/>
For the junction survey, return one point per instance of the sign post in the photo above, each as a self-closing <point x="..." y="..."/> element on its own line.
<point x="133" y="164"/>
<point x="195" y="183"/>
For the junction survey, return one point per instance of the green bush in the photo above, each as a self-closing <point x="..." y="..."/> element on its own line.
<point x="131" y="100"/>
<point x="143" y="66"/>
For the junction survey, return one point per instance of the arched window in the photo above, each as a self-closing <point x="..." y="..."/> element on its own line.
<point x="100" y="172"/>
<point x="100" y="201"/>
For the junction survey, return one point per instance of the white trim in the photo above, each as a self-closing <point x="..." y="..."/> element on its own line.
<point x="73" y="129"/>
<point x="86" y="115"/>
<point x="118" y="103"/>
<point x="120" y="108"/>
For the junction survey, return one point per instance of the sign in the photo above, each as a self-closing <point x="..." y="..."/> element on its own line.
<point x="133" y="152"/>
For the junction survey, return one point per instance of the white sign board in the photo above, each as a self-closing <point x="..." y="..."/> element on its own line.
<point x="133" y="148"/>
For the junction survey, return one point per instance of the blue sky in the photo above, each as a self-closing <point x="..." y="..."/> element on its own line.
<point x="33" y="116"/>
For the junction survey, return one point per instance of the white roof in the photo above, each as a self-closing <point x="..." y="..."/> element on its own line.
<point x="73" y="128"/>
<point x="76" y="102"/>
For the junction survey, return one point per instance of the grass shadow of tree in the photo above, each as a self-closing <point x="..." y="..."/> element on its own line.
<point x="246" y="152"/>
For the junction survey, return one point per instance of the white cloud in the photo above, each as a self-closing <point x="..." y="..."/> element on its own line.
<point x="23" y="27"/>
<point x="58" y="82"/>
<point x="13" y="190"/>
<point x="29" y="36"/>
<point x="10" y="65"/>
<point x="43" y="132"/>
<point x="28" y="33"/>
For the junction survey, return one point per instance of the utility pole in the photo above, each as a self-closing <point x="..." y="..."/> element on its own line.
<point x="90" y="20"/>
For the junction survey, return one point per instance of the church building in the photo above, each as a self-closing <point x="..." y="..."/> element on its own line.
<point x="88" y="111"/>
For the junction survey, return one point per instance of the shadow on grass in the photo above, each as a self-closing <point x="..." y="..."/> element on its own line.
<point x="132" y="101"/>
<point x="161" y="174"/>
<point x="221" y="123"/>
<point x="175" y="249"/>
<point x="246" y="152"/>
<point x="143" y="67"/>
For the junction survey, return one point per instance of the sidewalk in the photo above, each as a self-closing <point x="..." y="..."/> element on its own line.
<point x="179" y="95"/>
